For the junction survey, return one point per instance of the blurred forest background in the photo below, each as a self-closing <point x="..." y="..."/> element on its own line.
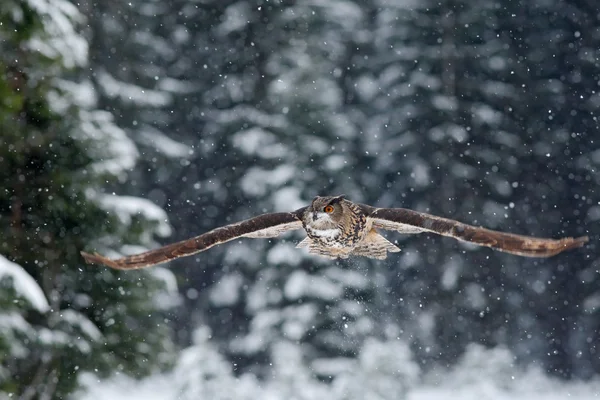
<point x="124" y="125"/>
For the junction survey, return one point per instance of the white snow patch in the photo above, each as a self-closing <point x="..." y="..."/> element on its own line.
<point x="82" y="331"/>
<point x="247" y="115"/>
<point x="13" y="327"/>
<point x="322" y="92"/>
<point x="485" y="114"/>
<point x="287" y="199"/>
<point x="335" y="162"/>
<point x="129" y="93"/>
<point x="169" y="297"/>
<point x="451" y="274"/>
<point x="348" y="278"/>
<point x="298" y="320"/>
<point x="420" y="173"/>
<point x="257" y="181"/>
<point x="24" y="284"/>
<point x="446" y="103"/>
<point x="60" y="38"/>
<point x="442" y="132"/>
<point x="259" y="142"/>
<point x="284" y="253"/>
<point x="383" y="370"/>
<point x="167" y="277"/>
<point x="301" y="284"/>
<point x="99" y="126"/>
<point x="164" y="144"/>
<point x="175" y="85"/>
<point x="342" y="126"/>
<point x="239" y="252"/>
<point x="333" y="366"/>
<point x="366" y="87"/>
<point x="235" y="18"/>
<point x="226" y="292"/>
<point x="126" y="207"/>
<point x="345" y="13"/>
<point x="122" y="387"/>
<point x="71" y="93"/>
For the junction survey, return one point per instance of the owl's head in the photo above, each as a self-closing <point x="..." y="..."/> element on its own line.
<point x="326" y="210"/>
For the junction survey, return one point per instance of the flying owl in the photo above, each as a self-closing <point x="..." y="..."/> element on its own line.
<point x="338" y="228"/>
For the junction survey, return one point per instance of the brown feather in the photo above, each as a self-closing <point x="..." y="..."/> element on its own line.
<point x="375" y="246"/>
<point x="508" y="242"/>
<point x="270" y="223"/>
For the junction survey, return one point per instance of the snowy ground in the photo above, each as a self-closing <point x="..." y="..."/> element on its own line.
<point x="161" y="387"/>
<point x="481" y="375"/>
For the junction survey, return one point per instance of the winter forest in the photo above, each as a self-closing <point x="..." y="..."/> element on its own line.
<point x="129" y="125"/>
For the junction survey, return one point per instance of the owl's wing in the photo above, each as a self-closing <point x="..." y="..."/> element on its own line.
<point x="409" y="221"/>
<point x="263" y="226"/>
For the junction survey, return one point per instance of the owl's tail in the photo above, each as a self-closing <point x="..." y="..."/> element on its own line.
<point x="375" y="246"/>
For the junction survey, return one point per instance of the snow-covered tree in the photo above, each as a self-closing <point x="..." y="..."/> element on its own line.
<point x="57" y="149"/>
<point x="463" y="109"/>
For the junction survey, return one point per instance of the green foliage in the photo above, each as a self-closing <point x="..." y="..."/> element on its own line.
<point x="99" y="320"/>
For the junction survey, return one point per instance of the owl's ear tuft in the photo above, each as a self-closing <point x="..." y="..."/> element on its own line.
<point x="337" y="199"/>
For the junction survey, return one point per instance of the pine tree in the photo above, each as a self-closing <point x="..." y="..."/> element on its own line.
<point x="263" y="115"/>
<point x="466" y="92"/>
<point x="57" y="150"/>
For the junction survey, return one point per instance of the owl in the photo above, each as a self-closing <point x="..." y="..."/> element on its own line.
<point x="338" y="228"/>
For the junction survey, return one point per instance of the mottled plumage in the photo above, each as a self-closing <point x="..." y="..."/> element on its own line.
<point x="339" y="228"/>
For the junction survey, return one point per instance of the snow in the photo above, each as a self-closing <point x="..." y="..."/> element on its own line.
<point x="170" y="297"/>
<point x="367" y="87"/>
<point x="445" y="103"/>
<point x="284" y="253"/>
<point x="99" y="126"/>
<point x="345" y="13"/>
<point x="335" y="162"/>
<point x="13" y="327"/>
<point x="61" y="39"/>
<point x="176" y="86"/>
<point x="258" y="180"/>
<point x="124" y="387"/>
<point x="247" y="115"/>
<point x="133" y="94"/>
<point x="68" y="320"/>
<point x="420" y="173"/>
<point x="287" y="199"/>
<point x="301" y="284"/>
<point x="235" y="19"/>
<point x="298" y="320"/>
<point x="81" y="93"/>
<point x="75" y="318"/>
<point x="167" y="277"/>
<point x="164" y="144"/>
<point x="384" y="369"/>
<point x="127" y="207"/>
<point x="259" y="142"/>
<point x="24" y="284"/>
<point x="226" y="291"/>
<point x="484" y="114"/>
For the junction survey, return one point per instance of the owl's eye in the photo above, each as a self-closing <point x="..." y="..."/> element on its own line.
<point x="328" y="209"/>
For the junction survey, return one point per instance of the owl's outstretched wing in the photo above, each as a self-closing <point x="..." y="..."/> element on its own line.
<point x="263" y="226"/>
<point x="409" y="221"/>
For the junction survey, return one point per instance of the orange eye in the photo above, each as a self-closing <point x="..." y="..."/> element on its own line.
<point x="328" y="209"/>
